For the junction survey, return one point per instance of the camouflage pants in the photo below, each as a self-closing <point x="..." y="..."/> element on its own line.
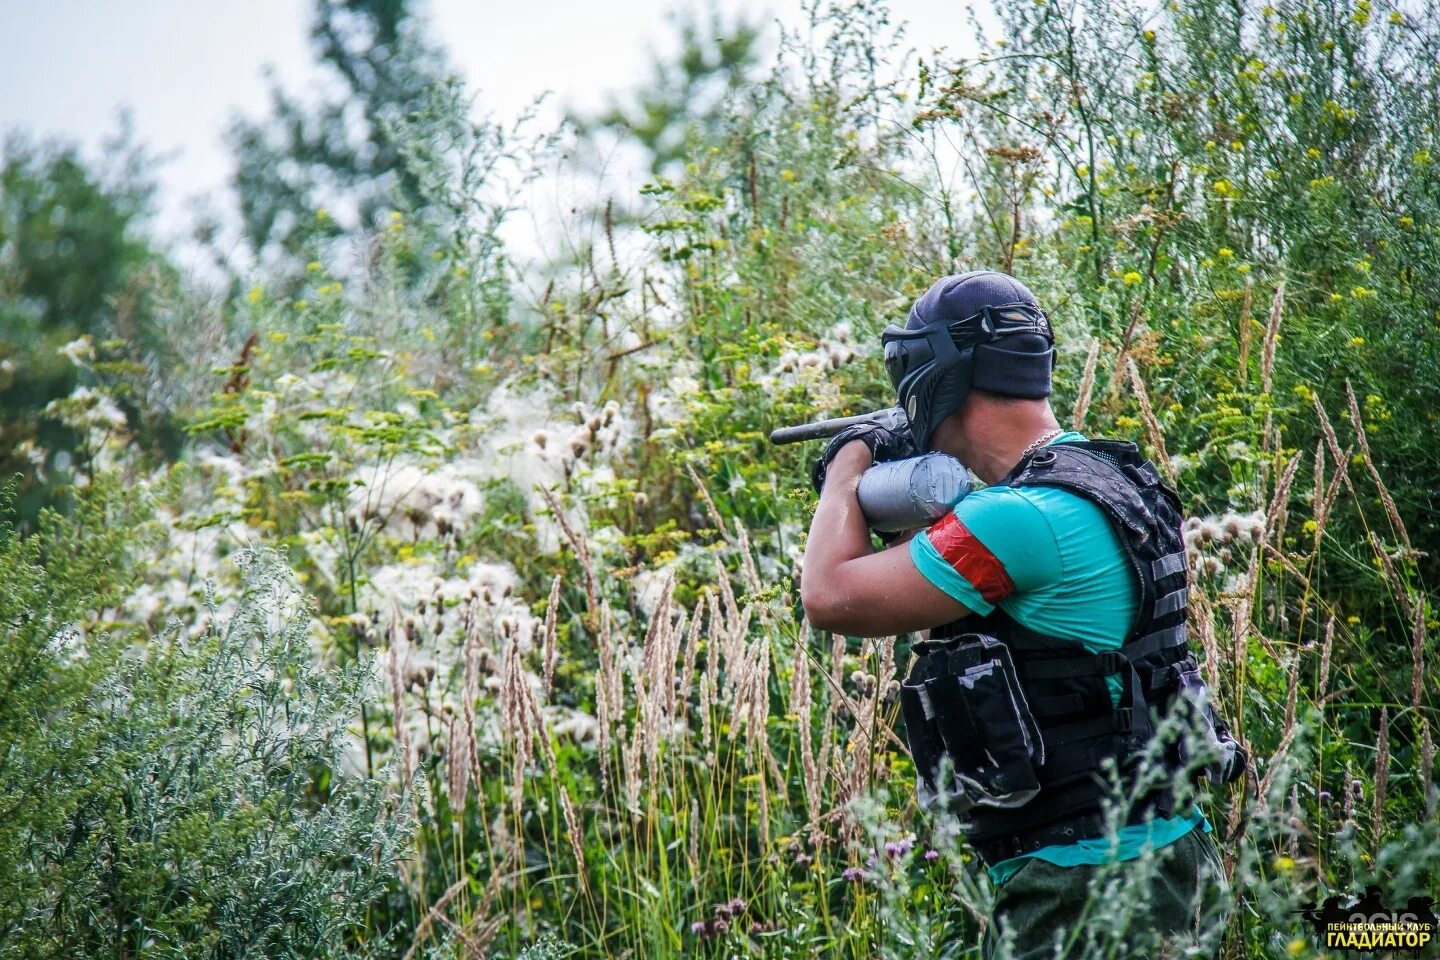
<point x="1173" y="903"/>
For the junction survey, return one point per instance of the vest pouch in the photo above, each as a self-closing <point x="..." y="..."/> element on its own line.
<point x="927" y="749"/>
<point x="970" y="695"/>
<point x="1216" y="755"/>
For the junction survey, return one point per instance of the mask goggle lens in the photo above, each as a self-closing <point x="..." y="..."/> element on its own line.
<point x="906" y="351"/>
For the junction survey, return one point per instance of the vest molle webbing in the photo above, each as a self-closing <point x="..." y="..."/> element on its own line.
<point x="1065" y="685"/>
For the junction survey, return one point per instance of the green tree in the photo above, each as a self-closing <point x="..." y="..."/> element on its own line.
<point x="339" y="157"/>
<point x="685" y="97"/>
<point x="74" y="262"/>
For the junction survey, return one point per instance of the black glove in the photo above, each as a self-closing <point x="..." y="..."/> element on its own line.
<point x="887" y="437"/>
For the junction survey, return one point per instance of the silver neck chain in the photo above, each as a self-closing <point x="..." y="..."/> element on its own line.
<point x="1039" y="442"/>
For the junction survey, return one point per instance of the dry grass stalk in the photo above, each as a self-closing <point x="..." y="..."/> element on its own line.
<point x="457" y="766"/>
<point x="1417" y="653"/>
<point x="1275" y="516"/>
<point x="1239" y="627"/>
<point x="630" y="767"/>
<point x="608" y="707"/>
<point x="581" y="549"/>
<point x="740" y="539"/>
<point x="1397" y="586"/>
<point x="800" y="708"/>
<point x="1342" y="459"/>
<point x="470" y="690"/>
<point x="710" y="680"/>
<point x="572" y="832"/>
<point x="1427" y="769"/>
<point x="1382" y="776"/>
<point x="1087" y="387"/>
<point x="887" y="663"/>
<point x="693" y="849"/>
<point x="1325" y="649"/>
<point x="1296" y="824"/>
<point x="692" y="652"/>
<point x="1342" y="476"/>
<point x="552" y="630"/>
<point x="1287" y="735"/>
<point x="731" y="630"/>
<point x="710" y="508"/>
<point x="1390" y="509"/>
<point x="834" y="702"/>
<point x="1202" y="615"/>
<point x="654" y="675"/>
<point x="1267" y="364"/>
<point x="515" y="723"/>
<point x="747" y="560"/>
<point x="671" y="677"/>
<point x="707" y="728"/>
<point x="1287" y="563"/>
<point x="763" y="813"/>
<point x="1242" y="366"/>
<point x="399" y="651"/>
<point x="1317" y="499"/>
<point x="423" y="928"/>
<point x="1122" y="356"/>
<point x="1351" y="788"/>
<point x="1272" y="334"/>
<point x="1152" y="426"/>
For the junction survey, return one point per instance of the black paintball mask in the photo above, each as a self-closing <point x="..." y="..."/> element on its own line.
<point x="980" y="329"/>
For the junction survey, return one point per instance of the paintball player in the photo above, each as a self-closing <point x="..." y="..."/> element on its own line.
<point x="1055" y="604"/>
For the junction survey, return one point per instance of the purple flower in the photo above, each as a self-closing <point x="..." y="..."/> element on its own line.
<point x="932" y="855"/>
<point x="853" y="874"/>
<point x="1324" y="796"/>
<point x="803" y="859"/>
<point x="699" y="926"/>
<point x="898" y="848"/>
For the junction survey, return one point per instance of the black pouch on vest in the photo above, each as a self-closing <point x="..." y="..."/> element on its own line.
<point x="972" y="736"/>
<point x="1209" y="748"/>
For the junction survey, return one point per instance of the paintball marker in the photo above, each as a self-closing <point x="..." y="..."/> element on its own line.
<point x="897" y="495"/>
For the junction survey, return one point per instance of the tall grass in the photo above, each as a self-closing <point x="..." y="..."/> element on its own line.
<point x="544" y="505"/>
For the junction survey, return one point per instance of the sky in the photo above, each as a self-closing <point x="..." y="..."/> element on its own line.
<point x="184" y="68"/>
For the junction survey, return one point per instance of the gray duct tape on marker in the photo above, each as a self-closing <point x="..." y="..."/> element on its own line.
<point x="909" y="494"/>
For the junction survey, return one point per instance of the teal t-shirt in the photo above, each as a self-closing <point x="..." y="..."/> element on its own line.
<point x="1051" y="560"/>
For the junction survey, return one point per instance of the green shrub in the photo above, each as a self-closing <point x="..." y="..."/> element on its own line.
<point x="175" y="795"/>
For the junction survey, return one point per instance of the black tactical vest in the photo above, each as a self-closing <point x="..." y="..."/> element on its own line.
<point x="1064" y="686"/>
